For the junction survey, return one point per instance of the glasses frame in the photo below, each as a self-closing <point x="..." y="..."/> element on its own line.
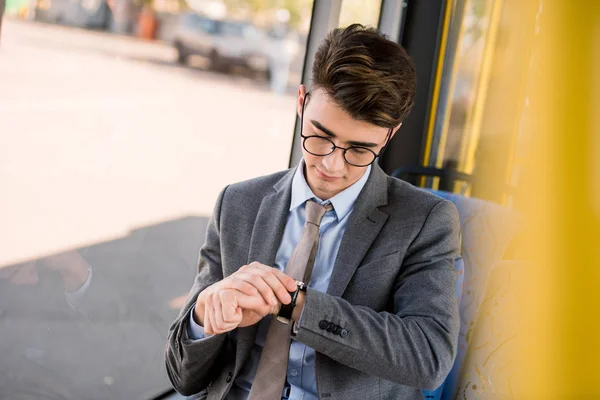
<point x="334" y="146"/>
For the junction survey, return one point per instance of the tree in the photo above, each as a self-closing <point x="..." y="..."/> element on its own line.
<point x="298" y="9"/>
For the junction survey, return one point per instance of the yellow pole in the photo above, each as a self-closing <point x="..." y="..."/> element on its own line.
<point x="436" y="88"/>
<point x="560" y="196"/>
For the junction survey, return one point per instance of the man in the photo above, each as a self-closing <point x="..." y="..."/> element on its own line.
<point x="379" y="318"/>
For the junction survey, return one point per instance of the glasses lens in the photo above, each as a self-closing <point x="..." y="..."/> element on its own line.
<point x="318" y="146"/>
<point x="359" y="156"/>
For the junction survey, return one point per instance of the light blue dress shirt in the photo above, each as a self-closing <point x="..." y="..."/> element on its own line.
<point x="301" y="381"/>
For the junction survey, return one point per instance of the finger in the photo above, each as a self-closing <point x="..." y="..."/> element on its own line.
<point x="253" y="278"/>
<point x="214" y="316"/>
<point x="215" y="329"/>
<point x="243" y="287"/>
<point x="229" y="305"/>
<point x="218" y="313"/>
<point x="239" y="315"/>
<point x="232" y="314"/>
<point x="277" y="286"/>
<point x="223" y="302"/>
<point x="207" y="316"/>
<point x="253" y="303"/>
<point x="286" y="280"/>
<point x="270" y="276"/>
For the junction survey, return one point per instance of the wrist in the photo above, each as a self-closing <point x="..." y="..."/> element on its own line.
<point x="299" y="306"/>
<point x="287" y="311"/>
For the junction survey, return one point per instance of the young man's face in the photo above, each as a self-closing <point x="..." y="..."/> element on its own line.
<point x="331" y="174"/>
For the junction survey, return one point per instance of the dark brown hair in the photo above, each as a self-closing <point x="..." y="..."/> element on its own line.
<point x="369" y="76"/>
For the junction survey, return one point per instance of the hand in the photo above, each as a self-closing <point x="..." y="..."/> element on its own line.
<point x="228" y="309"/>
<point x="260" y="289"/>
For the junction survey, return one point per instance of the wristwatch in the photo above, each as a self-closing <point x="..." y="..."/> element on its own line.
<point x="285" y="312"/>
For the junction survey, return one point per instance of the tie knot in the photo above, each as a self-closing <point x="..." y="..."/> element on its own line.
<point x="315" y="212"/>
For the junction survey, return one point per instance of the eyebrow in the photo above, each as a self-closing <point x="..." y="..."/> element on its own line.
<point x="320" y="127"/>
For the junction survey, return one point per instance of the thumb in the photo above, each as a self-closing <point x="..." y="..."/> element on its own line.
<point x="238" y="316"/>
<point x="255" y="303"/>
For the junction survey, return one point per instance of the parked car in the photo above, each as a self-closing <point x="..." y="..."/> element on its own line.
<point x="226" y="44"/>
<point x="90" y="14"/>
<point x="194" y="35"/>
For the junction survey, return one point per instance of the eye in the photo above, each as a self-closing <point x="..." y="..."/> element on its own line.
<point x="360" y="150"/>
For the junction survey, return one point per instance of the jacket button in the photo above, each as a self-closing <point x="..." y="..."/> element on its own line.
<point x="323" y="324"/>
<point x="337" y="330"/>
<point x="344" y="333"/>
<point x="229" y="376"/>
<point x="331" y="327"/>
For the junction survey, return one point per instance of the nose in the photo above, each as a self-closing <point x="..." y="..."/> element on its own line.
<point x="335" y="162"/>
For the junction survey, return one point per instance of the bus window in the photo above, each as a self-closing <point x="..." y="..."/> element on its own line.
<point x="359" y="12"/>
<point x="482" y="108"/>
<point x="115" y="148"/>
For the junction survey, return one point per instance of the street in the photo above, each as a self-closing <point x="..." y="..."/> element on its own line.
<point x="101" y="134"/>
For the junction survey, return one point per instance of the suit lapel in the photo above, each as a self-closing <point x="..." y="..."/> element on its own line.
<point x="363" y="227"/>
<point x="270" y="222"/>
<point x="264" y="243"/>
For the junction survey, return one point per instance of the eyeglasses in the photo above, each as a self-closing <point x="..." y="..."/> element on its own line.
<point x="357" y="156"/>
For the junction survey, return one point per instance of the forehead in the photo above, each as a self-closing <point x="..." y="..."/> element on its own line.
<point x="323" y="109"/>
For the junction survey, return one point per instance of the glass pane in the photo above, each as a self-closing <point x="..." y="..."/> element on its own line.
<point x="113" y="152"/>
<point x="482" y="111"/>
<point x="360" y="11"/>
<point x="464" y="74"/>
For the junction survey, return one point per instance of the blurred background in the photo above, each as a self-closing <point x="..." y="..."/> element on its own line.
<point x="121" y="121"/>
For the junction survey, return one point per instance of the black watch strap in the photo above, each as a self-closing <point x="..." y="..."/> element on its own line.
<point x="286" y="310"/>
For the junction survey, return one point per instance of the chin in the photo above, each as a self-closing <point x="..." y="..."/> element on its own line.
<point x="328" y="189"/>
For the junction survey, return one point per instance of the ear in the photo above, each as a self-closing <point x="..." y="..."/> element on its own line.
<point x="396" y="128"/>
<point x="300" y="102"/>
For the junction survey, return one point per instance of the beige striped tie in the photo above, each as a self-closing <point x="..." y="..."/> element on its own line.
<point x="272" y="369"/>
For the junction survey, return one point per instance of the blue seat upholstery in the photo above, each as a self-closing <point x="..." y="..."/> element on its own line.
<point x="487" y="229"/>
<point x="488" y="369"/>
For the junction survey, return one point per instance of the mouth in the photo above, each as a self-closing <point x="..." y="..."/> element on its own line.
<point x="327" y="177"/>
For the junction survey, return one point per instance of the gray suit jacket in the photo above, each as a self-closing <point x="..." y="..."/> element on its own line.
<point x="392" y="290"/>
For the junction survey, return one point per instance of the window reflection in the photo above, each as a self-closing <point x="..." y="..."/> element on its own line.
<point x="457" y="135"/>
<point x="482" y="115"/>
<point x="120" y="125"/>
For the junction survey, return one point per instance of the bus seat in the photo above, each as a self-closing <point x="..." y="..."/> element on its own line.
<point x="488" y="373"/>
<point x="486" y="231"/>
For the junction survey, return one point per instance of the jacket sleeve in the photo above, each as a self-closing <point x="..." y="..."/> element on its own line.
<point x="193" y="364"/>
<point x="414" y="345"/>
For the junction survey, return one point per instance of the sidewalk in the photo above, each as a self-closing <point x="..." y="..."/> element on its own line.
<point x="80" y="39"/>
<point x="99" y="141"/>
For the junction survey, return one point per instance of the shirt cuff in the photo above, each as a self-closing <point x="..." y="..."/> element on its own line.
<point x="195" y="331"/>
<point x="296" y="326"/>
<point x="74" y="299"/>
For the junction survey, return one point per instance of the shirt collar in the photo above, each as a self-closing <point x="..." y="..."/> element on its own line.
<point x="342" y="202"/>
